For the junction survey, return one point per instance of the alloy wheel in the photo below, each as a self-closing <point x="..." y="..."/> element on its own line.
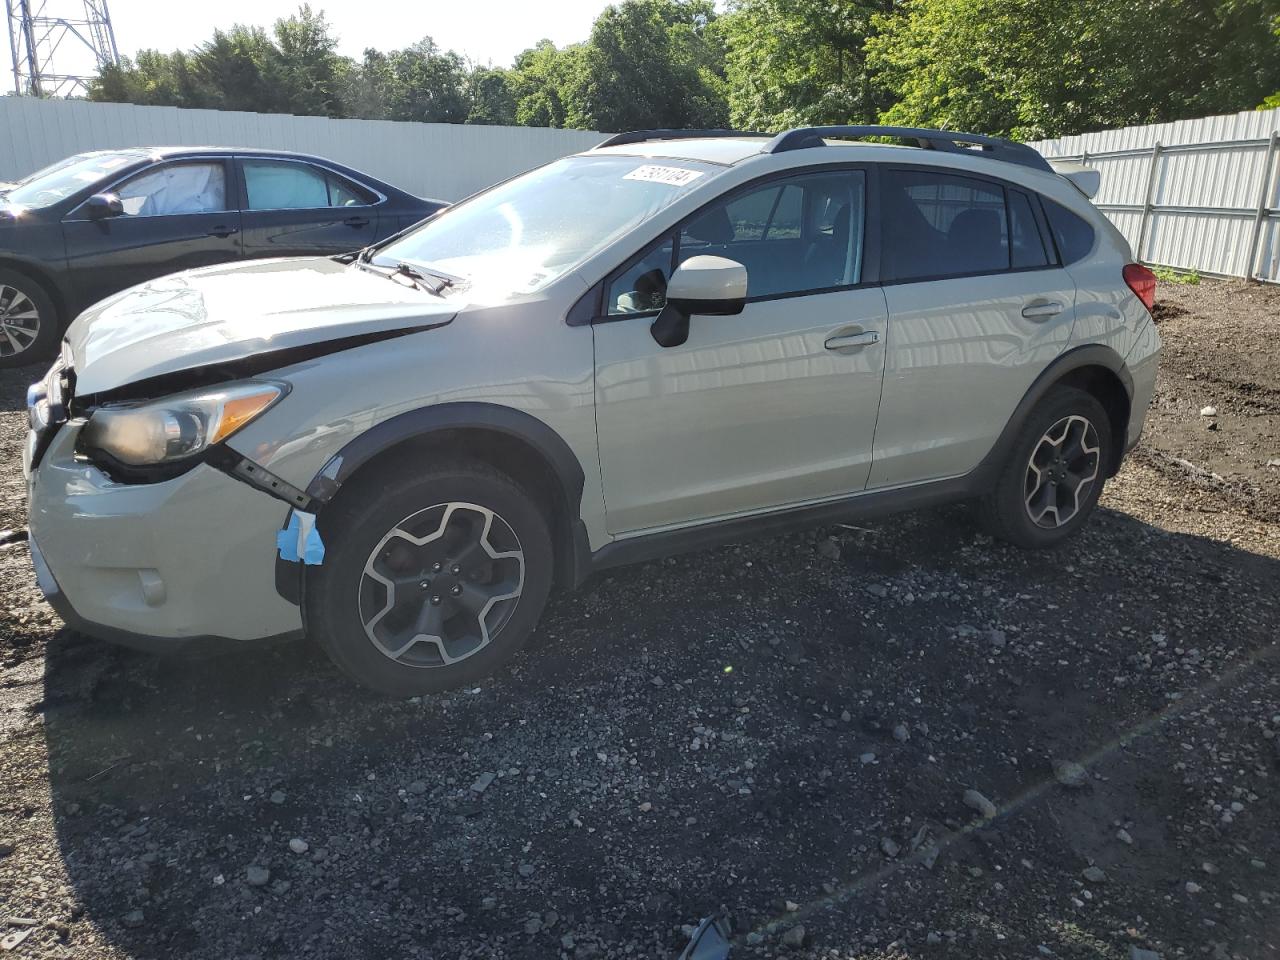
<point x="1062" y="470"/>
<point x="19" y="321"/>
<point x="440" y="584"/>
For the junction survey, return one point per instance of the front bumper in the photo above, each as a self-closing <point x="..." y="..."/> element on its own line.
<point x="155" y="565"/>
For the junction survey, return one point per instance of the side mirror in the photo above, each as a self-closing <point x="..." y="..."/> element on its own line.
<point x="102" y="206"/>
<point x="711" y="286"/>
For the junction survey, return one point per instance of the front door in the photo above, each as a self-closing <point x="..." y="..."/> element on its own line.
<point x="296" y="209"/>
<point x="773" y="407"/>
<point x="176" y="216"/>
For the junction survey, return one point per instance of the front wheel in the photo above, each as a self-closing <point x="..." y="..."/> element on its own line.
<point x="431" y="578"/>
<point x="28" y="321"/>
<point x="1055" y="472"/>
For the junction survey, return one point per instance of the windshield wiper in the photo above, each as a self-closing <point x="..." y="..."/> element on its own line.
<point x="406" y="269"/>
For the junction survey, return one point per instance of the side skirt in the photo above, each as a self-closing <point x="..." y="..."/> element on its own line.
<point x="876" y="503"/>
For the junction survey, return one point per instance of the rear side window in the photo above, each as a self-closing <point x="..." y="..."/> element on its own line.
<point x="290" y="185"/>
<point x="1073" y="234"/>
<point x="1028" y="246"/>
<point x="938" y="225"/>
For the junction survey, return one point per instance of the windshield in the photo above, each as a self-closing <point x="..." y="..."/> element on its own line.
<point x="46" y="187"/>
<point x="526" y="233"/>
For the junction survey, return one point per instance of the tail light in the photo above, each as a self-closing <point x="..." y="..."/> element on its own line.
<point x="1142" y="282"/>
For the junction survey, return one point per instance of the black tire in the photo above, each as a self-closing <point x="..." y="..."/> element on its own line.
<point x="1007" y="511"/>
<point x="15" y="350"/>
<point x="338" y="592"/>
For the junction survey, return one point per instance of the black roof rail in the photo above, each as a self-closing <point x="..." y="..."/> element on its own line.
<point x="945" y="140"/>
<point x="642" y="136"/>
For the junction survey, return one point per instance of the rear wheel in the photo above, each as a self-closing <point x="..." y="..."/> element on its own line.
<point x="28" y="320"/>
<point x="431" y="579"/>
<point x="1055" y="472"/>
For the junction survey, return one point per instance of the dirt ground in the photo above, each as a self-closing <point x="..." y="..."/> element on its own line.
<point x="762" y="729"/>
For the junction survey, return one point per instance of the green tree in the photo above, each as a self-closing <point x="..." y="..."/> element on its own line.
<point x="234" y="70"/>
<point x="796" y="62"/>
<point x="650" y="63"/>
<point x="1037" y="68"/>
<point x="540" y="82"/>
<point x="488" y="91"/>
<point x="306" y="70"/>
<point x="426" y="84"/>
<point x="152" y="79"/>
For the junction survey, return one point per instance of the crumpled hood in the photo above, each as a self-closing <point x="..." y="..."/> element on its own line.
<point x="226" y="313"/>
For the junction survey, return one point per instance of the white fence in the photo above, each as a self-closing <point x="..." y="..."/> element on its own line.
<point x="1195" y="195"/>
<point x="441" y="160"/>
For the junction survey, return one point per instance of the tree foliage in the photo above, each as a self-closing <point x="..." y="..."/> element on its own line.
<point x="797" y="62"/>
<point x="1036" y="68"/>
<point x="1028" y="68"/>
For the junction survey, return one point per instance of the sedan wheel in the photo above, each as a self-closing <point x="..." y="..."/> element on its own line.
<point x="19" y="321"/>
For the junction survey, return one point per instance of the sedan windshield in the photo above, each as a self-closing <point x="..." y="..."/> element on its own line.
<point x="527" y="232"/>
<point x="46" y="187"/>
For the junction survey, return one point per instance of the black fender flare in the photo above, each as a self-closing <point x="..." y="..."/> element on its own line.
<point x="1076" y="358"/>
<point x="462" y="415"/>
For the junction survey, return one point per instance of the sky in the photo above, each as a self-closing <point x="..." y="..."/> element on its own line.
<point x="485" y="31"/>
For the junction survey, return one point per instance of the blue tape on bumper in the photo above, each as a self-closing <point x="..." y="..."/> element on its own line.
<point x="300" y="540"/>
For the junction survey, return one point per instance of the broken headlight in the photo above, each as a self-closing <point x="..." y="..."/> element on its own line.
<point x="176" y="428"/>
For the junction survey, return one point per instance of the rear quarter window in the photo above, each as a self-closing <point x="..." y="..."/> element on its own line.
<point x="1073" y="234"/>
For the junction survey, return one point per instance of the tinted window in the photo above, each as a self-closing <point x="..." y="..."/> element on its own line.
<point x="1072" y="234"/>
<point x="936" y="225"/>
<point x="803" y="234"/>
<point x="176" y="188"/>
<point x="800" y="235"/>
<point x="1028" y="246"/>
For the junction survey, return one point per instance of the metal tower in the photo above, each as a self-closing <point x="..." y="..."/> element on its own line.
<point x="57" y="51"/>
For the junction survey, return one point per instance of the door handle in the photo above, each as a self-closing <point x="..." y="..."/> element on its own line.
<point x="356" y="221"/>
<point x="223" y="231"/>
<point x="846" y="341"/>
<point x="1041" y="309"/>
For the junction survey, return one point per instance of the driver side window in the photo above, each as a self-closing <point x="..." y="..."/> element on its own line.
<point x="797" y="235"/>
<point x="176" y="188"/>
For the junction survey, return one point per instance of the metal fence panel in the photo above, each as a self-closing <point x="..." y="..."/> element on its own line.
<point x="1196" y="194"/>
<point x="441" y="160"/>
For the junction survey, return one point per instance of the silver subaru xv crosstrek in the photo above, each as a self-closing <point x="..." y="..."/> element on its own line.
<point x="672" y="340"/>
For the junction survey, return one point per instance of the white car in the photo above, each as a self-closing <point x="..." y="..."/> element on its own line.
<point x="670" y="341"/>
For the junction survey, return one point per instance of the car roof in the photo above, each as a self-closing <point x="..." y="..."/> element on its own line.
<point x="733" y="150"/>
<point x="722" y="150"/>
<point x="156" y="152"/>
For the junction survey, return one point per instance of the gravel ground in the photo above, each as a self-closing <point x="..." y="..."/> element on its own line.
<point x="893" y="740"/>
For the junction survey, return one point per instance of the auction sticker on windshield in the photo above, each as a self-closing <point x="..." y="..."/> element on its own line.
<point x="674" y="176"/>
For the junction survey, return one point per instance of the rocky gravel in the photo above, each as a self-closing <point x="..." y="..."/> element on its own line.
<point x="895" y="739"/>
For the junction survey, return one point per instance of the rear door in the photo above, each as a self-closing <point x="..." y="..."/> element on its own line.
<point x="293" y="208"/>
<point x="978" y="306"/>
<point x="177" y="215"/>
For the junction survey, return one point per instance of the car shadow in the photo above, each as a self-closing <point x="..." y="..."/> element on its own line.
<point x="731" y="729"/>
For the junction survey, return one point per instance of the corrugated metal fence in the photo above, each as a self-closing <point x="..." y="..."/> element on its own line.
<point x="1198" y="195"/>
<point x="446" y="161"/>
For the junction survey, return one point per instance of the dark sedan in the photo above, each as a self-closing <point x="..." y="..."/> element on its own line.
<point x="96" y="223"/>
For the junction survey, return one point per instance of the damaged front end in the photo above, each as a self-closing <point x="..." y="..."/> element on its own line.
<point x="135" y="530"/>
